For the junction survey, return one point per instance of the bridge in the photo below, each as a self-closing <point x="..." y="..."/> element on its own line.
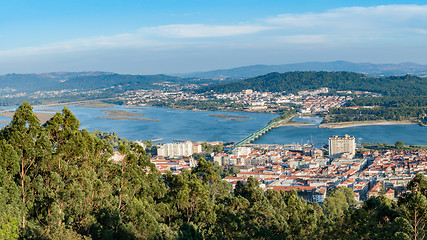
<point x="257" y="134"/>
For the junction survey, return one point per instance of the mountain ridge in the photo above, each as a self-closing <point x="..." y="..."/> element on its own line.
<point x="368" y="69"/>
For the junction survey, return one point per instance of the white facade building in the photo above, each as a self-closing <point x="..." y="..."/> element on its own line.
<point x="182" y="149"/>
<point x="342" y="146"/>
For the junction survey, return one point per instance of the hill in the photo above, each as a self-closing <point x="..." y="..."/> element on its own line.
<point x="85" y="81"/>
<point x="368" y="69"/>
<point x="42" y="81"/>
<point x="125" y="81"/>
<point x="298" y="81"/>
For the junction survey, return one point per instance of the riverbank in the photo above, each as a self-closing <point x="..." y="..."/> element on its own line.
<point x="286" y="121"/>
<point x="296" y="124"/>
<point x="42" y="116"/>
<point x="364" y="123"/>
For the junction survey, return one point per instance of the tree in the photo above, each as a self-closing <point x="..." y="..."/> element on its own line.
<point x="399" y="144"/>
<point x="413" y="206"/>
<point x="337" y="202"/>
<point x="414" y="209"/>
<point x="24" y="134"/>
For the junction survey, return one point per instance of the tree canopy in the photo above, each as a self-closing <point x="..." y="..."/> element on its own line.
<point x="57" y="182"/>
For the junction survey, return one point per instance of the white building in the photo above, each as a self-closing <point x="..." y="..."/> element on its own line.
<point x="182" y="149"/>
<point x="342" y="146"/>
<point x="242" y="151"/>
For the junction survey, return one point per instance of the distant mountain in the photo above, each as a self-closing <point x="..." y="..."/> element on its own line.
<point x="88" y="81"/>
<point x="368" y="69"/>
<point x="42" y="81"/>
<point x="122" y="81"/>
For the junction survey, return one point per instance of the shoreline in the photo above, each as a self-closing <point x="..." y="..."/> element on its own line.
<point x="203" y="110"/>
<point x="42" y="116"/>
<point x="295" y="124"/>
<point x="364" y="123"/>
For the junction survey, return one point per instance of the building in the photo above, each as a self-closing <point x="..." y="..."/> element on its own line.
<point x="389" y="194"/>
<point x="376" y="190"/>
<point x="342" y="146"/>
<point x="182" y="149"/>
<point x="319" y="195"/>
<point x="248" y="91"/>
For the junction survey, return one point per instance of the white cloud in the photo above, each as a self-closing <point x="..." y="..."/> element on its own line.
<point x="303" y="39"/>
<point x="204" y="31"/>
<point x="82" y="44"/>
<point x="379" y="19"/>
<point x="342" y="26"/>
<point x="149" y="37"/>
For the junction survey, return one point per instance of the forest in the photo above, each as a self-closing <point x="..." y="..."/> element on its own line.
<point x="292" y="82"/>
<point x="57" y="182"/>
<point x="394" y="108"/>
<point x="376" y="113"/>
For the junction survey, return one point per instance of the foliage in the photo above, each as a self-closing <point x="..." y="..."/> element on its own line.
<point x="339" y="81"/>
<point x="376" y="113"/>
<point x="338" y="202"/>
<point x="57" y="182"/>
<point x="284" y="115"/>
<point x="206" y="147"/>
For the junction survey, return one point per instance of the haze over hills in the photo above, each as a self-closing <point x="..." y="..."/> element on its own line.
<point x="368" y="69"/>
<point x="98" y="80"/>
<point x="85" y="81"/>
<point x="41" y="81"/>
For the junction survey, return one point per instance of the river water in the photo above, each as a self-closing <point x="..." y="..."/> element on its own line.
<point x="199" y="126"/>
<point x="390" y="134"/>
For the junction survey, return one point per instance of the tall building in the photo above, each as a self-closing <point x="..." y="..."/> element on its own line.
<point x="183" y="149"/>
<point x="339" y="146"/>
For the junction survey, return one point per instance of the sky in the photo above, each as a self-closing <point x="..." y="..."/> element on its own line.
<point x="181" y="36"/>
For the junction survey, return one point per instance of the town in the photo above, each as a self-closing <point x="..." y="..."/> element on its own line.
<point x="309" y="171"/>
<point x="318" y="101"/>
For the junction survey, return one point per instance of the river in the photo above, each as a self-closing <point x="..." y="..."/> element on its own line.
<point x="199" y="126"/>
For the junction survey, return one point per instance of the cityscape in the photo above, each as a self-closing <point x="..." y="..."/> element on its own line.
<point x="308" y="171"/>
<point x="197" y="120"/>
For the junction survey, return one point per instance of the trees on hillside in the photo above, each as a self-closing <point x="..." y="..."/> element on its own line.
<point x="57" y="182"/>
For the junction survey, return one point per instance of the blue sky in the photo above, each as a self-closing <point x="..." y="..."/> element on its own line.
<point x="150" y="37"/>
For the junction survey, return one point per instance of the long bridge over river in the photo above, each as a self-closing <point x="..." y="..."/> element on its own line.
<point x="257" y="134"/>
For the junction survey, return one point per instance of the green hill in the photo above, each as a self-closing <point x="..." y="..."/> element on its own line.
<point x="293" y="82"/>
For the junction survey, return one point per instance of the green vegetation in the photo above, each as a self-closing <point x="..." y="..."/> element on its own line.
<point x="227" y="171"/>
<point x="112" y="139"/>
<point x="115" y="141"/>
<point x="376" y="113"/>
<point x="384" y="108"/>
<point x="398" y="146"/>
<point x="403" y="97"/>
<point x="285" y="115"/>
<point x="57" y="182"/>
<point x="390" y="101"/>
<point x="206" y="147"/>
<point x="121" y="82"/>
<point x="293" y="82"/>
